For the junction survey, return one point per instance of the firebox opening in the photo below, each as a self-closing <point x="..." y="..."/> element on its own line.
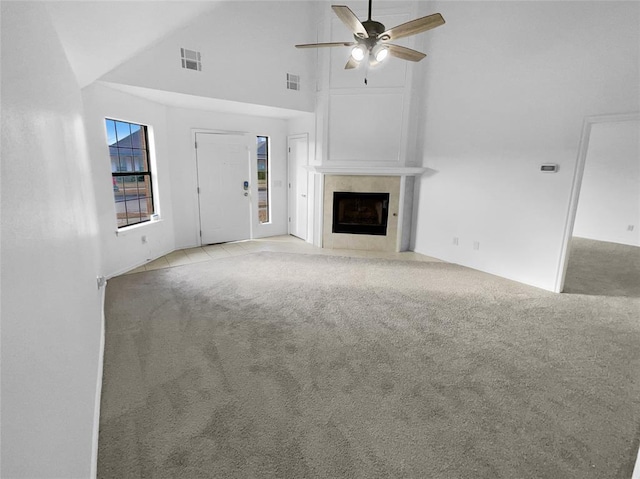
<point x="360" y="213"/>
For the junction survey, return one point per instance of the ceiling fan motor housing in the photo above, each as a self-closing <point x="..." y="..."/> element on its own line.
<point x="374" y="29"/>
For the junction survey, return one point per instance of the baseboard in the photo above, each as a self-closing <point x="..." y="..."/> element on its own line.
<point x="96" y="407"/>
<point x="137" y="265"/>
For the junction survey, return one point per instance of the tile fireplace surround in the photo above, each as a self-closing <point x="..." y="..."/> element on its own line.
<point x="400" y="189"/>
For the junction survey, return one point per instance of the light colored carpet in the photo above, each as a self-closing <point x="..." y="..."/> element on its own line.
<point x="276" y="365"/>
<point x="602" y="268"/>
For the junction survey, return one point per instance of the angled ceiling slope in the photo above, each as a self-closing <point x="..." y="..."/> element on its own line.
<point x="181" y="100"/>
<point x="100" y="35"/>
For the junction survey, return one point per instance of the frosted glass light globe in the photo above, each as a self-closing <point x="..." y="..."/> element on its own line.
<point x="358" y="53"/>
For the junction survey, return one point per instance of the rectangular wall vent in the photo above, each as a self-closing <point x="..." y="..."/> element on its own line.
<point x="191" y="59"/>
<point x="293" y="82"/>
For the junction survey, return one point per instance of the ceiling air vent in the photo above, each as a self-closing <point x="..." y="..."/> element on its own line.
<point x="191" y="59"/>
<point x="293" y="82"/>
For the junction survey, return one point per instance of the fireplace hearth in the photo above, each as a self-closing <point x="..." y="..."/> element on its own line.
<point x="360" y="213"/>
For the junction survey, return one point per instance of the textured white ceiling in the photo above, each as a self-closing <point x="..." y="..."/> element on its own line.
<point x="99" y="35"/>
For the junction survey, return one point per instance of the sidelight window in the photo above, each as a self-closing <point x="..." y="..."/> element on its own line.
<point x="130" y="172"/>
<point x="263" y="179"/>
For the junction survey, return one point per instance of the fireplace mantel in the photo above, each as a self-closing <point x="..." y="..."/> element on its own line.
<point x="368" y="170"/>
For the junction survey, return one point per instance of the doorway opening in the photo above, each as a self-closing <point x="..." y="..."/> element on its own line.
<point x="601" y="250"/>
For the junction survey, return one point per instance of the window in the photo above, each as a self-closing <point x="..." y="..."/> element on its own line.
<point x="263" y="179"/>
<point x="293" y="82"/>
<point x="130" y="172"/>
<point x="191" y="59"/>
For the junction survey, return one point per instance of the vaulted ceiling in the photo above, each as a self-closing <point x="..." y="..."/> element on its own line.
<point x="98" y="36"/>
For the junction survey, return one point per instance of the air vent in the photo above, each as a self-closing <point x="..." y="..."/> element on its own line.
<point x="191" y="59"/>
<point x="293" y="82"/>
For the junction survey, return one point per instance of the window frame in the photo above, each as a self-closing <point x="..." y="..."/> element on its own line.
<point x="145" y="173"/>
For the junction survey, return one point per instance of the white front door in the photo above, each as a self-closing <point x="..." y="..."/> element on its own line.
<point x="225" y="203"/>
<point x="298" y="175"/>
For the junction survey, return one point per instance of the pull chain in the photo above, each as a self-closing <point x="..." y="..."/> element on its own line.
<point x="366" y="73"/>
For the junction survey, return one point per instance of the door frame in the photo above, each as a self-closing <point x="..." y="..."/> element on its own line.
<point x="291" y="210"/>
<point x="196" y="194"/>
<point x="578" y="173"/>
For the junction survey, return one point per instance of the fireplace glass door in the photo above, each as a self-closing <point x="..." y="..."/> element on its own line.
<point x="360" y="213"/>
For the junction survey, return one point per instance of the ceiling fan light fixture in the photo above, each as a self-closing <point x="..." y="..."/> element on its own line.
<point x="380" y="52"/>
<point x="358" y="53"/>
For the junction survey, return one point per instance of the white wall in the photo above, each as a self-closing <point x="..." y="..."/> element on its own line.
<point x="124" y="249"/>
<point x="610" y="193"/>
<point x="181" y="123"/>
<point x="51" y="306"/>
<point x="247" y="50"/>
<point x="507" y="88"/>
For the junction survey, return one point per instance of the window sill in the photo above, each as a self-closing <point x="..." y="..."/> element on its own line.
<point x="131" y="229"/>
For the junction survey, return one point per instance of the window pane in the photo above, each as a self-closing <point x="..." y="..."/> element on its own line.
<point x="263" y="178"/>
<point x="126" y="160"/>
<point x="140" y="162"/>
<point x="121" y="209"/>
<point x="118" y="188"/>
<point x="144" y="186"/>
<point x="111" y="132"/>
<point x="133" y="209"/>
<point x="115" y="161"/>
<point x="123" y="134"/>
<point x="137" y="136"/>
<point x="130" y="186"/>
<point x="146" y="206"/>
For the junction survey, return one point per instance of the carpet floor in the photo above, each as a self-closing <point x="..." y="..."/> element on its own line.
<point x="276" y="365"/>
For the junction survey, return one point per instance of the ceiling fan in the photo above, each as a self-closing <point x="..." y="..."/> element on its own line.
<point x="371" y="37"/>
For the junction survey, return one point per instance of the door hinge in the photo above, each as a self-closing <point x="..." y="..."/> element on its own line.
<point x="289" y="219"/>
<point x="289" y="149"/>
<point x="198" y="188"/>
<point x="201" y="233"/>
<point x="196" y="145"/>
<point x="289" y="185"/>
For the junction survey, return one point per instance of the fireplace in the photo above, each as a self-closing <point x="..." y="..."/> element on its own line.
<point x="360" y="213"/>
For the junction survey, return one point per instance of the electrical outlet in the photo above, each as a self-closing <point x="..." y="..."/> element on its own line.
<point x="476" y="245"/>
<point x="143" y="238"/>
<point x="630" y="227"/>
<point x="455" y="240"/>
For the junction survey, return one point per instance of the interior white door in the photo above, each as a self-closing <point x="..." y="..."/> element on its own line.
<point x="224" y="201"/>
<point x="298" y="187"/>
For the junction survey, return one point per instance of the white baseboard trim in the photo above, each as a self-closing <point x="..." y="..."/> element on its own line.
<point x="636" y="469"/>
<point x="137" y="265"/>
<point x="96" y="407"/>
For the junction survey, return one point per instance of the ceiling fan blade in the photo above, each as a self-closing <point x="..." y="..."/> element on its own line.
<point x="352" y="63"/>
<point x="414" y="26"/>
<point x="319" y="45"/>
<point x="349" y="18"/>
<point x="405" y="53"/>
